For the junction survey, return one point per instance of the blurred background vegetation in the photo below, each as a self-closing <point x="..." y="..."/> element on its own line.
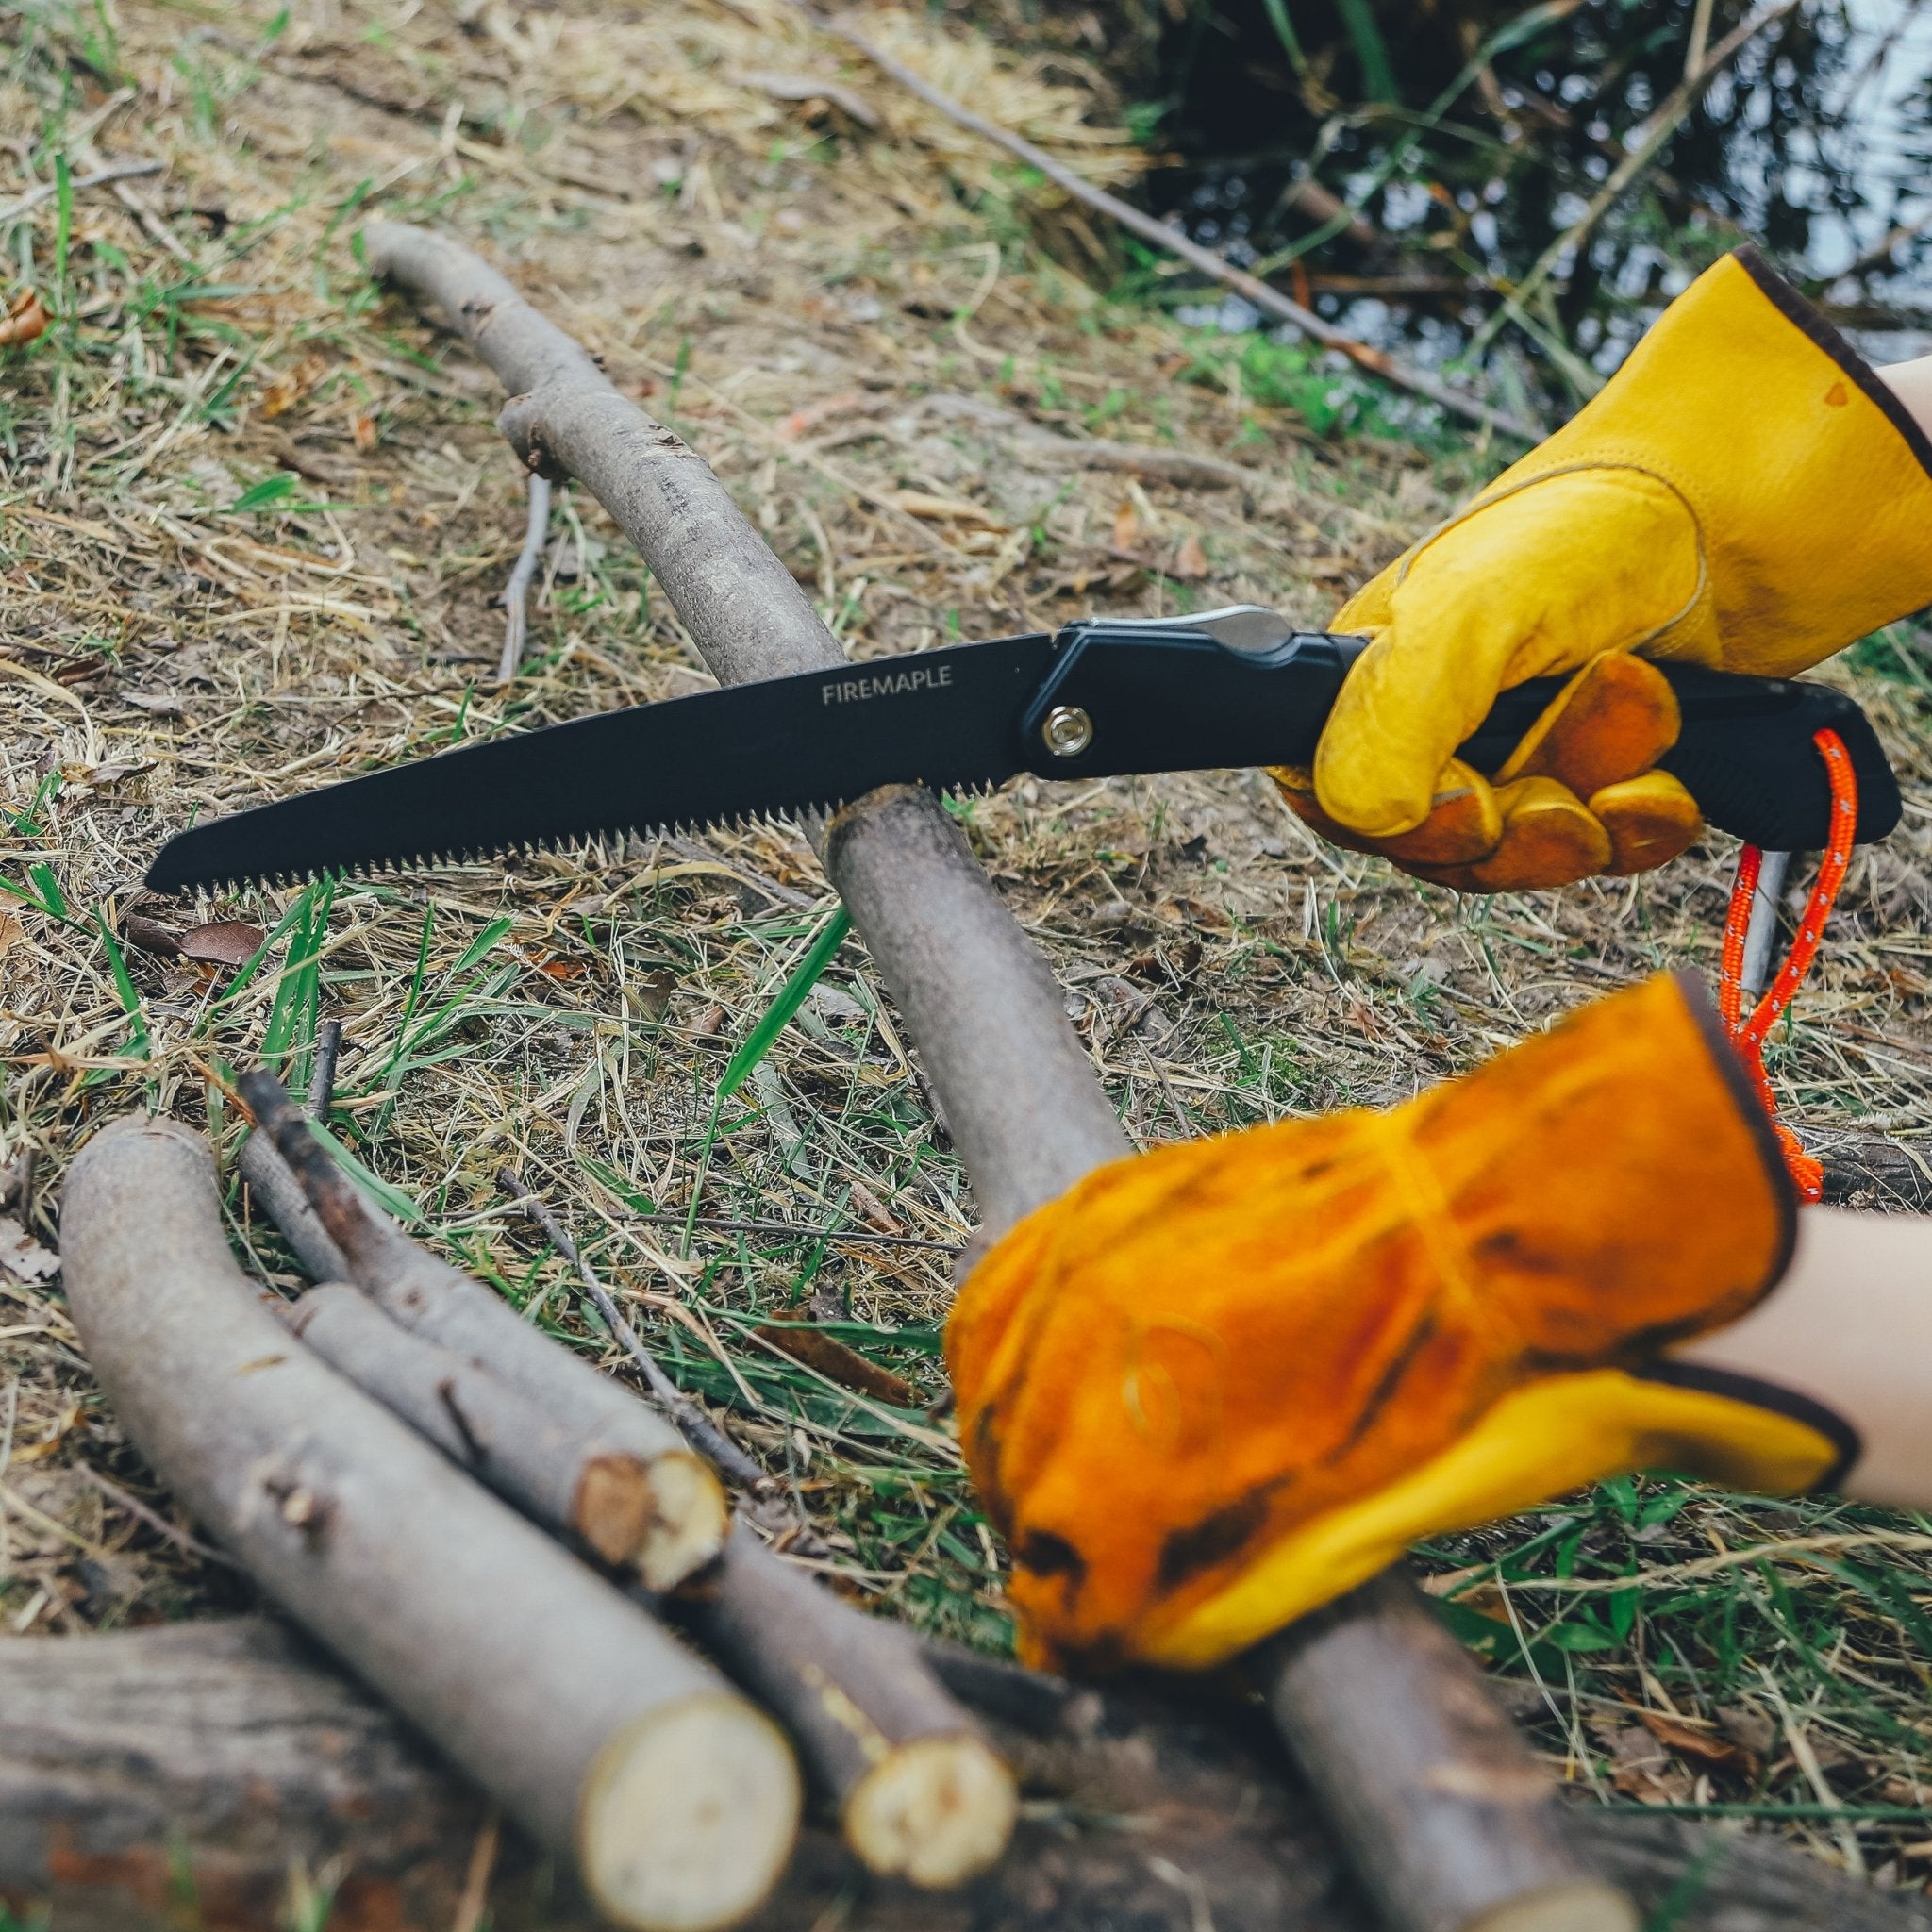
<point x="1434" y="172"/>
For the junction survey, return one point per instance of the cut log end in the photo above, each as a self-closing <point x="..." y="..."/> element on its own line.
<point x="612" y="1510"/>
<point x="937" y="1810"/>
<point x="1585" y="1906"/>
<point x="688" y="1815"/>
<point x="687" y="1524"/>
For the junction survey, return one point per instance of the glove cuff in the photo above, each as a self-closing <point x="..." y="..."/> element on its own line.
<point x="1803" y="317"/>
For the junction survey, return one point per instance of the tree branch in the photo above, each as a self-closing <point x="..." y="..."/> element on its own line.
<point x="684" y="1526"/>
<point x="1025" y="1110"/>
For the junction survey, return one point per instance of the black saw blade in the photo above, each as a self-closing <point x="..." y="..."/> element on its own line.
<point x="814" y="741"/>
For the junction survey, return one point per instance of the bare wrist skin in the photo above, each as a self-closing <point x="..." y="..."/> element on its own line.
<point x="1850" y="1325"/>
<point x="1911" y="383"/>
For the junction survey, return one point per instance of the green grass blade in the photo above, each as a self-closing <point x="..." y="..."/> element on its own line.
<point x="1284" y="32"/>
<point x="123" y="985"/>
<point x="414" y="994"/>
<point x="1371" y="49"/>
<point x="777" y="1016"/>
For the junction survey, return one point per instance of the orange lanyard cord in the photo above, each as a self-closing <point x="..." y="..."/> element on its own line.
<point x="1749" y="1036"/>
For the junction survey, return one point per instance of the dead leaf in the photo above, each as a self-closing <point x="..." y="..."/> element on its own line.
<point x="22" y="1257"/>
<point x="1701" y="1746"/>
<point x="1190" y="561"/>
<point x="25" y="319"/>
<point x="1128" y="527"/>
<point x="708" y="1023"/>
<point x="11" y="932"/>
<point x="837" y="1364"/>
<point x="150" y="935"/>
<point x="654" y="993"/>
<point x="224" y="942"/>
<point x="873" y="1211"/>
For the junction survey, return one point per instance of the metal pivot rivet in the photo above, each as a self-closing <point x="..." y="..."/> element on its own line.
<point x="1068" y="732"/>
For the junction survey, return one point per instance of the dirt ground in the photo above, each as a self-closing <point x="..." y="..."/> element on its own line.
<point x="256" y="519"/>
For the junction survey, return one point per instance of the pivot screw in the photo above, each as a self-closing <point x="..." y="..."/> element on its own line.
<point x="1068" y="732"/>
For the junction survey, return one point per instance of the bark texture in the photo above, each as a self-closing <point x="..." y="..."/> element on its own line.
<point x="686" y="1522"/>
<point x="1020" y="1096"/>
<point x="599" y="1498"/>
<point x="212" y="1756"/>
<point x="595" y="1729"/>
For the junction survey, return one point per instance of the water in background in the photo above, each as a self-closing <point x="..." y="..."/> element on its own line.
<point x="1403" y="166"/>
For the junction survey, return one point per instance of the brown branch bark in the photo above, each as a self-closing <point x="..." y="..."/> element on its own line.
<point x="599" y="1497"/>
<point x="213" y="1758"/>
<point x="683" y="1528"/>
<point x="1027" y="1113"/>
<point x="917" y="1789"/>
<point x="609" y="1741"/>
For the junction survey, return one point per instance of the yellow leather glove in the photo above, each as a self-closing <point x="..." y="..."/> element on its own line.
<point x="1744" y="495"/>
<point x="1211" y="1386"/>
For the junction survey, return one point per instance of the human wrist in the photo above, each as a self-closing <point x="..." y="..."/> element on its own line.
<point x="1911" y="383"/>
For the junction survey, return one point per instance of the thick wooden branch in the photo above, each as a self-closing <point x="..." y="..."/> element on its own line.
<point x="598" y="1497"/>
<point x="219" y="1755"/>
<point x="1027" y="1113"/>
<point x="605" y="1737"/>
<point x="918" y="1790"/>
<point x="684" y="1526"/>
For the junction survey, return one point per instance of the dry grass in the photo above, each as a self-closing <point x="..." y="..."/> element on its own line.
<point x="254" y="517"/>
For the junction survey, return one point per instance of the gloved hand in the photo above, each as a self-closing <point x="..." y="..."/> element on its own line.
<point x="1744" y="493"/>
<point x="1211" y="1386"/>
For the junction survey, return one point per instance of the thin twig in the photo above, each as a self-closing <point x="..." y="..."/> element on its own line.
<point x="101" y="177"/>
<point x="801" y="1233"/>
<point x="154" y="1519"/>
<point x="516" y="593"/>
<point x="1270" y="301"/>
<point x="696" y="1427"/>
<point x="322" y="1082"/>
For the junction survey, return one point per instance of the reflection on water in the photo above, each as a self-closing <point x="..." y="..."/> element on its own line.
<point x="1433" y="170"/>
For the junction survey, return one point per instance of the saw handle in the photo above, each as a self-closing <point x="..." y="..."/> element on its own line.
<point x="1113" y="703"/>
<point x="1745" y="753"/>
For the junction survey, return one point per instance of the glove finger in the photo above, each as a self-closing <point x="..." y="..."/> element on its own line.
<point x="1539" y="579"/>
<point x="1550" y="838"/>
<point x="1650" y="819"/>
<point x="1614" y="720"/>
<point x="1464" y="822"/>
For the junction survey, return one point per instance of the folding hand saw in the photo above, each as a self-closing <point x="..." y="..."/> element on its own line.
<point x="1102" y="696"/>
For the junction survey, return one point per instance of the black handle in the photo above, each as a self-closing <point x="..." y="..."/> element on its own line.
<point x="1137" y="696"/>
<point x="1745" y="753"/>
